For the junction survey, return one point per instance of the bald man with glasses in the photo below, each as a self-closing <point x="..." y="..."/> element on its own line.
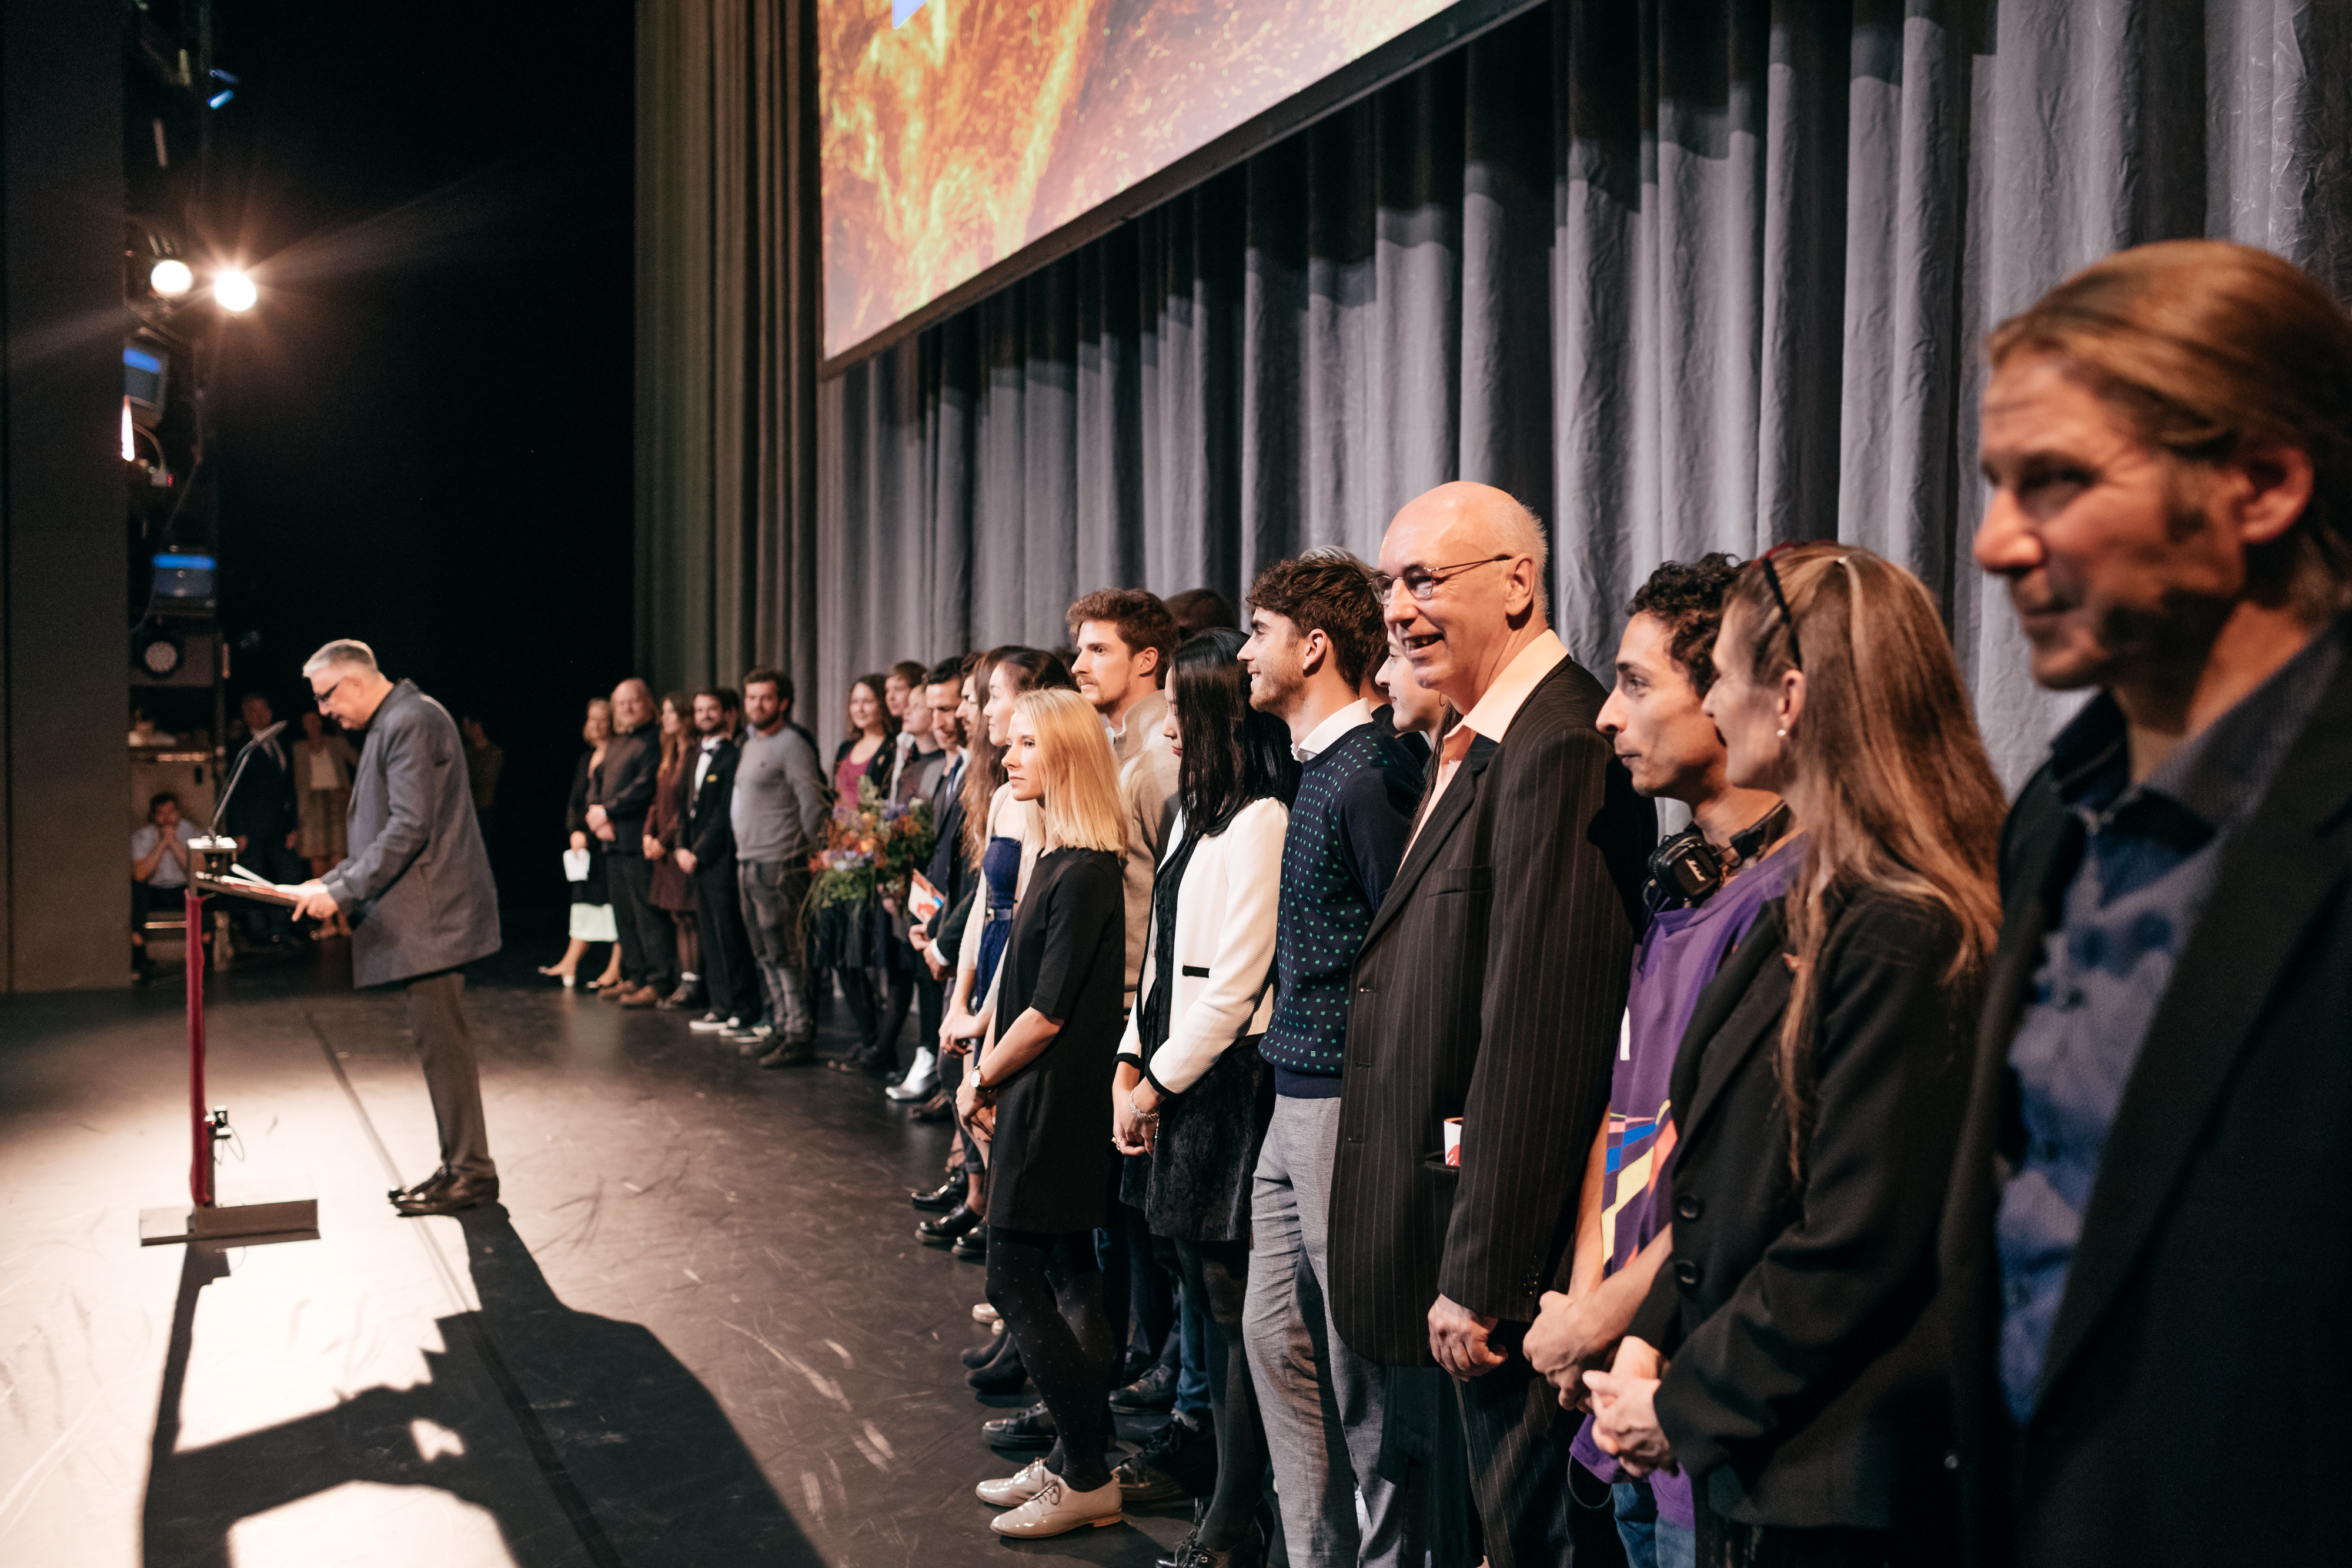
<point x="416" y="889"/>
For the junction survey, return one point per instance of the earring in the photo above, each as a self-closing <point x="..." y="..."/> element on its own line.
<point x="1781" y="733"/>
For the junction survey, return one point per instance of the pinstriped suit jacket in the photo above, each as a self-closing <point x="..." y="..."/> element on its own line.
<point x="1490" y="988"/>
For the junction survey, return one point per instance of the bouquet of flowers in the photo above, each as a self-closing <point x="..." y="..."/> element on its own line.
<point x="870" y="850"/>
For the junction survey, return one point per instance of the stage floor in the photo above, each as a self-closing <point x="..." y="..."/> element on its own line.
<point x="699" y="1331"/>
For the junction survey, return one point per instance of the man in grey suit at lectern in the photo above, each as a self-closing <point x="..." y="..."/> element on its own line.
<point x="417" y="891"/>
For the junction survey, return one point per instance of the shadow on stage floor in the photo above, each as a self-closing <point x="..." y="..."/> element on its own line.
<point x="699" y="1331"/>
<point x="601" y="1408"/>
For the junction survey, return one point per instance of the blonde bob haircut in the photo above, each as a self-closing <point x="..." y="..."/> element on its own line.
<point x="1081" y="799"/>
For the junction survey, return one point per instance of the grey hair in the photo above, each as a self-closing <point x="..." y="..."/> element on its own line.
<point x="1521" y="531"/>
<point x="342" y="651"/>
<point x="1339" y="553"/>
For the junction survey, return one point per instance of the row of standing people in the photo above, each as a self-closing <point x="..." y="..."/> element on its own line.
<point x="1853" y="1178"/>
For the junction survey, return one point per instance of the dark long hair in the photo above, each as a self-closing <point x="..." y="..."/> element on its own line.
<point x="1233" y="753"/>
<point x="1033" y="670"/>
<point x="873" y="683"/>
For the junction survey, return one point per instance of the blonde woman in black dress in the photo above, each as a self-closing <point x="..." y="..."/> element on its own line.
<point x="1037" y="1089"/>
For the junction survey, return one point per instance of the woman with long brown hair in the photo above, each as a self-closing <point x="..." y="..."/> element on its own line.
<point x="673" y="890"/>
<point x="1785" y="1358"/>
<point x="853" y="939"/>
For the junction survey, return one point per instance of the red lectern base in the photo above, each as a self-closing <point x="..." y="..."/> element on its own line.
<point x="284" y="1210"/>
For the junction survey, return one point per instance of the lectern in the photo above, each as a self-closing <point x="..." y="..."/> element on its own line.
<point x="205" y="1217"/>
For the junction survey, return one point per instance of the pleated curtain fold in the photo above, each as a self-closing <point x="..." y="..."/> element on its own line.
<point x="1684" y="275"/>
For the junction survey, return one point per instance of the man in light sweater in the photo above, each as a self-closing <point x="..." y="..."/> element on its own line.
<point x="779" y="821"/>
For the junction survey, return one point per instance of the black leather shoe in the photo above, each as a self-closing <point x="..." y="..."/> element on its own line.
<point x="459" y="1193"/>
<point x="1006" y="1374"/>
<point x="937" y="1109"/>
<point x="972" y="1245"/>
<point x="1030" y="1429"/>
<point x="791" y="1053"/>
<point x="939" y="1232"/>
<point x="948" y="1194"/>
<point x="1155" y="1390"/>
<point x="999" y="1345"/>
<point x="425" y="1188"/>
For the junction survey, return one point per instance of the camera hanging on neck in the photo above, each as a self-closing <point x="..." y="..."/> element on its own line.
<point x="1685" y="869"/>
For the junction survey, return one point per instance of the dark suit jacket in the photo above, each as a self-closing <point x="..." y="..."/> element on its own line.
<point x="624" y="784"/>
<point x="263" y="809"/>
<point x="709" y="814"/>
<point x="1489" y="988"/>
<point x="2202" y="1330"/>
<point x="417" y="885"/>
<point x="1807" y="1385"/>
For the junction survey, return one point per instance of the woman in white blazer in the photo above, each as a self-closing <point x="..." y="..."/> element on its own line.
<point x="1192" y="1091"/>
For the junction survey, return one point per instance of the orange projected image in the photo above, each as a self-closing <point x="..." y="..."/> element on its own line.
<point x="955" y="132"/>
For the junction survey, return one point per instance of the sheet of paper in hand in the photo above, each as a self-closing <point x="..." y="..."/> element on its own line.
<point x="924" y="902"/>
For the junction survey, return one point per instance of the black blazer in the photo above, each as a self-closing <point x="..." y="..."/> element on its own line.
<point x="623" y="783"/>
<point x="1488" y="988"/>
<point x="710" y="813"/>
<point x="1807" y="1385"/>
<point x="2202" y="1330"/>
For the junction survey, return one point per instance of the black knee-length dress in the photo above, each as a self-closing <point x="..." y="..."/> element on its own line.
<point x="1049" y="1161"/>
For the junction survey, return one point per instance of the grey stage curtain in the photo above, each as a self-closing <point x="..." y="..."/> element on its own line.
<point x="1685" y="275"/>
<point x="726" y="352"/>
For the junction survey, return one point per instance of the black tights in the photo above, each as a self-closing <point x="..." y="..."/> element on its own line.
<point x="1217" y="1274"/>
<point x="1049" y="1290"/>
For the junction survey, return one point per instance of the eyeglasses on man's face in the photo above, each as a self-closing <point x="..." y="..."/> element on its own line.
<point x="322" y="697"/>
<point x="1421" y="582"/>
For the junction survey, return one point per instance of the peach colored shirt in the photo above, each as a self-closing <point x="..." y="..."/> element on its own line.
<point x="1491" y="716"/>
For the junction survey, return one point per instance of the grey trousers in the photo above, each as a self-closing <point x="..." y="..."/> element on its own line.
<point x="772" y="894"/>
<point x="1323" y="1404"/>
<point x="436" y="1016"/>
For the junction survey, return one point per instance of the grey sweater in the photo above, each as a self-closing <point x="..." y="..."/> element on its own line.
<point x="780" y="798"/>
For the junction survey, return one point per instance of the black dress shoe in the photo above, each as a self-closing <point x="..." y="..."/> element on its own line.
<point x="939" y="1232"/>
<point x="972" y="1245"/>
<point x="1155" y="1390"/>
<point x="425" y="1188"/>
<point x="1005" y="1375"/>
<point x="1030" y="1429"/>
<point x="791" y="1053"/>
<point x="982" y="1355"/>
<point x="942" y="1197"/>
<point x="937" y="1109"/>
<point x="460" y="1193"/>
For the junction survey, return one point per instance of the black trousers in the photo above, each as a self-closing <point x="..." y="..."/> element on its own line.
<point x="436" y="1017"/>
<point x="1517" y="1439"/>
<point x="648" y="940"/>
<point x="729" y="974"/>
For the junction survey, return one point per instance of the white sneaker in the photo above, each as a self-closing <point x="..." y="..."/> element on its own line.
<point x="920" y="1080"/>
<point x="1057" y="1511"/>
<point x="1016" y="1489"/>
<point x="709" y="1021"/>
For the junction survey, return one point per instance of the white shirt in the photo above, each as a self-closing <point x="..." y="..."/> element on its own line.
<point x="702" y="761"/>
<point x="1324" y="736"/>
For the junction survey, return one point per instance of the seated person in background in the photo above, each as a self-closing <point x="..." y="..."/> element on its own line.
<point x="1705" y="888"/>
<point x="159" y="861"/>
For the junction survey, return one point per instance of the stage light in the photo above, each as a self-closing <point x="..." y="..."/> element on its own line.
<point x="219" y="99"/>
<point x="171" y="279"/>
<point x="129" y="442"/>
<point x="234" y="290"/>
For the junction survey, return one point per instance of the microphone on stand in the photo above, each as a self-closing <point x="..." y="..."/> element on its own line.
<point x="220" y="807"/>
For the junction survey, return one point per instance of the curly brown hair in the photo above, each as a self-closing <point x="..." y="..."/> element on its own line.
<point x="1688" y="598"/>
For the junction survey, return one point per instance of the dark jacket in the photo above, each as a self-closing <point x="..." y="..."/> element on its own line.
<point x="417" y="885"/>
<point x="2202" y="1333"/>
<point x="1806" y="1388"/>
<point x="710" y="812"/>
<point x="623" y="785"/>
<point x="1488" y="988"/>
<point x="263" y="809"/>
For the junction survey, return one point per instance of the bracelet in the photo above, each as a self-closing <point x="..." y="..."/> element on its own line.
<point x="1141" y="1114"/>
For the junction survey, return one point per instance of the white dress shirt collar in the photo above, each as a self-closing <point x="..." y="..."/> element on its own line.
<point x="1322" y="737"/>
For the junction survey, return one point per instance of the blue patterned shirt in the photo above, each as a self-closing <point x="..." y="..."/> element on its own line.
<point x="2150" y="855"/>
